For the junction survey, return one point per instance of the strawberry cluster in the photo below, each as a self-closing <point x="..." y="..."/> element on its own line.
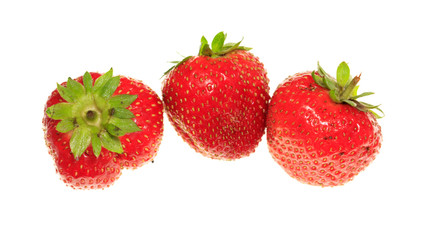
<point x="318" y="130"/>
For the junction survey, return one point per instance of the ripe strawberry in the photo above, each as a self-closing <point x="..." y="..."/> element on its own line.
<point x="317" y="138"/>
<point x="217" y="101"/>
<point x="98" y="124"/>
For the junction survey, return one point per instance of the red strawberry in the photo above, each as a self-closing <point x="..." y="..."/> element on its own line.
<point x="319" y="131"/>
<point x="217" y="101"/>
<point x="97" y="124"/>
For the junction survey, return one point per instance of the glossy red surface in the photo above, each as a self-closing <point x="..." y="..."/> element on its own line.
<point x="219" y="105"/>
<point x="316" y="140"/>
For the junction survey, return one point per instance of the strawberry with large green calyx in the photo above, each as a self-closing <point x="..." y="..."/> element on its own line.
<point x="96" y="125"/>
<point x="317" y="129"/>
<point x="95" y="117"/>
<point x="210" y="99"/>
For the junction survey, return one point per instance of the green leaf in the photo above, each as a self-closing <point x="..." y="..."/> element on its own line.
<point x="244" y="48"/>
<point x="60" y="111"/>
<point x="123" y="100"/>
<point x="376" y="115"/>
<point x="76" y="89"/>
<point x="110" y="142"/>
<point x="204" y="40"/>
<point x="349" y="89"/>
<point x="80" y="140"/>
<point x="65" y="93"/>
<point x="114" y="130"/>
<point x="333" y="95"/>
<point x="369" y="106"/>
<point x="362" y="95"/>
<point x="88" y="82"/>
<point x="103" y="79"/>
<point x="120" y="127"/>
<point x="108" y="88"/>
<point x="177" y="63"/>
<point x="318" y="79"/>
<point x="354" y="92"/>
<point x="343" y="74"/>
<point x="330" y="84"/>
<point x="127" y="125"/>
<point x="218" y="42"/>
<point x="122" y="113"/>
<point x="66" y="125"/>
<point x="351" y="103"/>
<point x="203" y="44"/>
<point x="366" y="107"/>
<point x="170" y="69"/>
<point x="206" y="50"/>
<point x="321" y="70"/>
<point x="229" y="47"/>
<point x="96" y="145"/>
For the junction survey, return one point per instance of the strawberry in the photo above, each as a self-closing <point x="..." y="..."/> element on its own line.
<point x="217" y="101"/>
<point x="319" y="131"/>
<point x="96" y="125"/>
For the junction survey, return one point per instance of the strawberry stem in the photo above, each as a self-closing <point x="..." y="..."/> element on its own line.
<point x="90" y="115"/>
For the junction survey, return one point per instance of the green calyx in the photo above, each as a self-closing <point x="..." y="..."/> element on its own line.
<point x="343" y="89"/>
<point x="93" y="115"/>
<point x="217" y="48"/>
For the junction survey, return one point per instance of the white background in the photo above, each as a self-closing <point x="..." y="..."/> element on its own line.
<point x="184" y="195"/>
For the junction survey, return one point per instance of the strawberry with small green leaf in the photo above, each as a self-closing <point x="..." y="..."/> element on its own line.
<point x="217" y="101"/>
<point x="98" y="124"/>
<point x="319" y="131"/>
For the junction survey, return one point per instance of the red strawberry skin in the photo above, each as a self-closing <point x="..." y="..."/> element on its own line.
<point x="90" y="172"/>
<point x="141" y="147"/>
<point x="316" y="140"/>
<point x="219" y="105"/>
